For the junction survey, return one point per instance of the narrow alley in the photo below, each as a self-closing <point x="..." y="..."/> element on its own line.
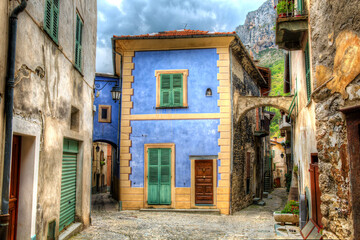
<point x="254" y="222"/>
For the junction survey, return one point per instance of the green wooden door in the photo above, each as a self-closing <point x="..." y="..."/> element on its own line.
<point x="159" y="176"/>
<point x="68" y="184"/>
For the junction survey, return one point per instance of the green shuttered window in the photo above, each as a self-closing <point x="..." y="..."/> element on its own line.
<point x="51" y="19"/>
<point x="307" y="72"/>
<point x="159" y="176"/>
<point x="78" y="42"/>
<point x="171" y="90"/>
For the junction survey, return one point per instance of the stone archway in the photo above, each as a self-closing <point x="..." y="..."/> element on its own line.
<point x="244" y="104"/>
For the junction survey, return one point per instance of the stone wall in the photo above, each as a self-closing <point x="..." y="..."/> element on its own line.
<point x="335" y="27"/>
<point x="243" y="141"/>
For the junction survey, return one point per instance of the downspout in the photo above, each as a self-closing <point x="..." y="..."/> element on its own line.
<point x="9" y="103"/>
<point x="119" y="112"/>
<point x="232" y="129"/>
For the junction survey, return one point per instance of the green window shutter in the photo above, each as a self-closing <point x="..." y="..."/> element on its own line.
<point x="48" y="16"/>
<point x="55" y="27"/>
<point x="165" y="90"/>
<point x="165" y="182"/>
<point x="78" y="42"/>
<point x="159" y="176"/>
<point x="300" y="6"/>
<point x="51" y="19"/>
<point x="307" y="72"/>
<point x="177" y="90"/>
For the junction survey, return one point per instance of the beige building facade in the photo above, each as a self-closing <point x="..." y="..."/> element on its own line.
<point x="279" y="161"/>
<point x="53" y="113"/>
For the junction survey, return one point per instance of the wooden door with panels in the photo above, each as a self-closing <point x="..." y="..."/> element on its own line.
<point x="204" y="180"/>
<point x="14" y="187"/>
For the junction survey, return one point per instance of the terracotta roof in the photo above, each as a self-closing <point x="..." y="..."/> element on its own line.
<point x="183" y="32"/>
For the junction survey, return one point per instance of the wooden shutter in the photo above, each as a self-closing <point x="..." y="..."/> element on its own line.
<point x="48" y="16"/>
<point x="165" y="177"/>
<point x="307" y="72"/>
<point x="300" y="6"/>
<point x="51" y="19"/>
<point x="153" y="176"/>
<point x="78" y="42"/>
<point x="177" y="89"/>
<point x="55" y="27"/>
<point x="68" y="184"/>
<point x="165" y="90"/>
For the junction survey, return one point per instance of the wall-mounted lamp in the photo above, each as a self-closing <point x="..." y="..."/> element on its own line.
<point x="282" y="155"/>
<point x="208" y="92"/>
<point x="97" y="148"/>
<point x="116" y="92"/>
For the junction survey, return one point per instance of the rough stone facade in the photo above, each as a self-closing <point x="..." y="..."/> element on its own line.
<point x="52" y="101"/>
<point x="335" y="27"/>
<point x="244" y="142"/>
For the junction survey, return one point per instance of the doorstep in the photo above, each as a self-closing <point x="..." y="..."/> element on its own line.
<point x="197" y="210"/>
<point x="70" y="231"/>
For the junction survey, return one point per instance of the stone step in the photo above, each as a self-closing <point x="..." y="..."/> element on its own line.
<point x="256" y="200"/>
<point x="197" y="211"/>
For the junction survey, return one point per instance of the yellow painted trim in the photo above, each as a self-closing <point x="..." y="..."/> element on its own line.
<point x="160" y="145"/>
<point x="139" y="117"/>
<point x="184" y="72"/>
<point x="123" y="45"/>
<point x="192" y="193"/>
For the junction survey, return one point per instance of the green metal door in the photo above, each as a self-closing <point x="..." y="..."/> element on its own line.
<point x="159" y="176"/>
<point x="68" y="184"/>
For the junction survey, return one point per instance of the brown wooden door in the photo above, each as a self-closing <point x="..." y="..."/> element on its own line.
<point x="14" y="187"/>
<point x="315" y="191"/>
<point x="204" y="182"/>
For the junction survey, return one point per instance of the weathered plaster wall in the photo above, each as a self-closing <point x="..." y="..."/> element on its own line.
<point x="243" y="140"/>
<point x="304" y="140"/>
<point x="97" y="168"/>
<point x="191" y="137"/>
<point x="335" y="27"/>
<point x="202" y="66"/>
<point x="47" y="87"/>
<point x="105" y="131"/>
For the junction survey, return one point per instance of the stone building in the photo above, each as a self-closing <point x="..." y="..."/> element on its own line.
<point x="53" y="115"/>
<point x="324" y="51"/>
<point x="203" y="142"/>
<point x="279" y="161"/>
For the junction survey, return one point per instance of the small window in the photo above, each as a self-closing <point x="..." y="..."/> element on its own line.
<point x="171" y="88"/>
<point x="105" y="113"/>
<point x="74" y="119"/>
<point x="78" y="41"/>
<point x="51" y="19"/>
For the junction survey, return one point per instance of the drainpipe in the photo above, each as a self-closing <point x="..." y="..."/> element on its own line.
<point x="9" y="103"/>
<point x="119" y="113"/>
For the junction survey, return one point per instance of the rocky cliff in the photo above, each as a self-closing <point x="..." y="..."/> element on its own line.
<point x="257" y="31"/>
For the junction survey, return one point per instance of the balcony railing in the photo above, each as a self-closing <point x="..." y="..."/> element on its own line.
<point x="291" y="24"/>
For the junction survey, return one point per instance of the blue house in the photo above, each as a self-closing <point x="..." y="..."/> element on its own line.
<point x="176" y="117"/>
<point x="106" y="126"/>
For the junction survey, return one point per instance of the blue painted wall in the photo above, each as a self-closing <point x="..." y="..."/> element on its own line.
<point x="191" y="137"/>
<point x="202" y="66"/>
<point x="106" y="132"/>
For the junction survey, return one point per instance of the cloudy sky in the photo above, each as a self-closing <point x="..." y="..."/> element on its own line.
<point x="133" y="17"/>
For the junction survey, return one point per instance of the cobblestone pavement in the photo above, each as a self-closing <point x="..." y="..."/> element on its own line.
<point x="254" y="222"/>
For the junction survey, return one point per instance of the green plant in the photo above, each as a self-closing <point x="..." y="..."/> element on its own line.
<point x="285" y="7"/>
<point x="296" y="169"/>
<point x="291" y="207"/>
<point x="102" y="163"/>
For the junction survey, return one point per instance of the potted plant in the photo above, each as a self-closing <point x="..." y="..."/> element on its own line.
<point x="290" y="213"/>
<point x="284" y="8"/>
<point x="102" y="163"/>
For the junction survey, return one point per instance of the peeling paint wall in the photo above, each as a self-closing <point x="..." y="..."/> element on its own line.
<point x="244" y="141"/>
<point x="335" y="27"/>
<point x="48" y="89"/>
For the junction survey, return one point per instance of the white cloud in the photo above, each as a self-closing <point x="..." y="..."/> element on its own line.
<point x="101" y="16"/>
